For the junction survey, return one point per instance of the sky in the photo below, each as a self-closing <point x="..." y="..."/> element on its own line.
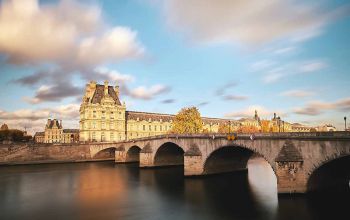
<point x="228" y="58"/>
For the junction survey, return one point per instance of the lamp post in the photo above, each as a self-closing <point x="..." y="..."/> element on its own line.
<point x="229" y="126"/>
<point x="345" y="122"/>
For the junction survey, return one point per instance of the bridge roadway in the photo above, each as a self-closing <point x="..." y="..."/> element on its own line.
<point x="302" y="162"/>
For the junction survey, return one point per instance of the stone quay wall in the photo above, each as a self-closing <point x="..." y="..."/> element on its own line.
<point x="11" y="154"/>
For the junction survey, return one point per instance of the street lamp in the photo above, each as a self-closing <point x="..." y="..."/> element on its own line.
<point x="345" y="122"/>
<point x="229" y="126"/>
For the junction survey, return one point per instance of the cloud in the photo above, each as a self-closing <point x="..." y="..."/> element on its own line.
<point x="315" y="108"/>
<point x="57" y="92"/>
<point x="273" y="77"/>
<point x="69" y="33"/>
<point x="249" y="112"/>
<point x="285" y="50"/>
<point x="247" y="22"/>
<point x="202" y="104"/>
<point x="298" y="93"/>
<point x="70" y="111"/>
<point x="235" y="97"/>
<point x="34" y="119"/>
<point x="278" y="72"/>
<point x="168" y="101"/>
<point x="145" y="93"/>
<point x="220" y="91"/>
<point x="261" y="65"/>
<point x="312" y="66"/>
<point x="31" y="79"/>
<point x="113" y="75"/>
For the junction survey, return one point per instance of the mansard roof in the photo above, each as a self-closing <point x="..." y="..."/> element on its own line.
<point x="99" y="94"/>
<point x="145" y="116"/>
<point x="39" y="133"/>
<point x="53" y="122"/>
<point x="70" y="130"/>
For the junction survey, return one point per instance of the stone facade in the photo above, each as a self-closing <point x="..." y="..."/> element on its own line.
<point x="54" y="133"/>
<point x="103" y="118"/>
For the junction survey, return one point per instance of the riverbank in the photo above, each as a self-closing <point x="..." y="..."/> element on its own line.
<point x="49" y="153"/>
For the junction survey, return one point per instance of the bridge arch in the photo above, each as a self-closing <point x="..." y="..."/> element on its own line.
<point x="133" y="154"/>
<point x="169" y="154"/>
<point x="105" y="153"/>
<point x="228" y="158"/>
<point x="333" y="173"/>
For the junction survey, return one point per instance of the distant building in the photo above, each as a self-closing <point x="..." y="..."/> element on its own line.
<point x="39" y="137"/>
<point x="296" y="127"/>
<point x="326" y="127"/>
<point x="54" y="133"/>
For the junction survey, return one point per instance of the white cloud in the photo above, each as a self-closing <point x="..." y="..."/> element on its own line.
<point x="236" y="97"/>
<point x="312" y="66"/>
<point x="35" y="119"/>
<point x="278" y="72"/>
<point x="249" y="112"/>
<point x="298" y="93"/>
<point x="114" y="75"/>
<point x="262" y="65"/>
<point x="145" y="93"/>
<point x="67" y="33"/>
<point x="315" y="108"/>
<point x="285" y="50"/>
<point x="249" y="22"/>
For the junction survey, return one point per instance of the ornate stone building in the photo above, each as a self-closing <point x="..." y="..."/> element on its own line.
<point x="54" y="133"/>
<point x="103" y="118"/>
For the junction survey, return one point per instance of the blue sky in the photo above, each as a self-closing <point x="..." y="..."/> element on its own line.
<point x="225" y="57"/>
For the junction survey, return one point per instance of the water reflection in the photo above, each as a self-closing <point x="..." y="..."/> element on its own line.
<point x="105" y="190"/>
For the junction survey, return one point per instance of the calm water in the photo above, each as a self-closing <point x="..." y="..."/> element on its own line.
<point x="103" y="190"/>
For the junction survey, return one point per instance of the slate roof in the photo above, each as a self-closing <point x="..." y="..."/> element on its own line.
<point x="70" y="130"/>
<point x="39" y="133"/>
<point x="99" y="94"/>
<point x="145" y="116"/>
<point x="289" y="153"/>
<point x="53" y="122"/>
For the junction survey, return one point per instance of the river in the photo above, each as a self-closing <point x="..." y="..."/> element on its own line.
<point x="104" y="190"/>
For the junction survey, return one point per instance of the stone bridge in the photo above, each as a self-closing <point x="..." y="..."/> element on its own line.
<point x="302" y="162"/>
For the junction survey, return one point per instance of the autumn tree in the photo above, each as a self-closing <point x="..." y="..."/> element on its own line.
<point x="248" y="129"/>
<point x="265" y="126"/>
<point x="187" y="121"/>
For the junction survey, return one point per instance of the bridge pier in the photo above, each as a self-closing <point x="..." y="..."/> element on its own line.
<point x="291" y="177"/>
<point x="193" y="165"/>
<point x="120" y="156"/>
<point x="146" y="159"/>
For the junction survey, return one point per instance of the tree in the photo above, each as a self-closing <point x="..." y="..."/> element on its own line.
<point x="265" y="126"/>
<point x="248" y="129"/>
<point x="187" y="121"/>
<point x="224" y="128"/>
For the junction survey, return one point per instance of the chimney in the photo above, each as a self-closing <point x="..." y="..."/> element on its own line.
<point x="61" y="123"/>
<point x="106" y="88"/>
<point x="116" y="89"/>
<point x="274" y="115"/>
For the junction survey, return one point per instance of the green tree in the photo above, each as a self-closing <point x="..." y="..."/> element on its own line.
<point x="187" y="121"/>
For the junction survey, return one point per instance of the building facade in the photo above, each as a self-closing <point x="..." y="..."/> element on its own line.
<point x="103" y="118"/>
<point x="54" y="133"/>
